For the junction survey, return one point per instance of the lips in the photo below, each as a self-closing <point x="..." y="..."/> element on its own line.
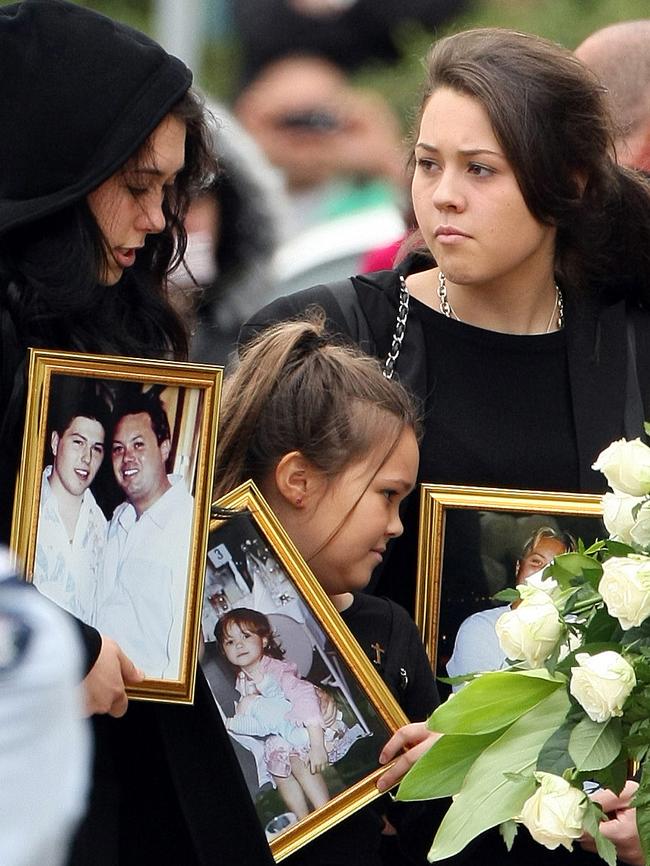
<point x="125" y="256"/>
<point x="449" y="232"/>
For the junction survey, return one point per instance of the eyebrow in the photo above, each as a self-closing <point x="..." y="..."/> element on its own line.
<point x="398" y="482"/>
<point x="129" y="439"/>
<point x="471" y="151"/>
<point x="154" y="171"/>
<point x="85" y="438"/>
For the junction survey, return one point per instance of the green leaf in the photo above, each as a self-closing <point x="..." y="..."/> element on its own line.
<point x="591" y="824"/>
<point x="594" y="745"/>
<point x="602" y="628"/>
<point x="554" y="756"/>
<point x="508" y="831"/>
<point x="507" y="595"/>
<point x="492" y="701"/>
<point x="616" y="548"/>
<point x="613" y="777"/>
<point x="440" y="772"/>
<point x="487" y="797"/>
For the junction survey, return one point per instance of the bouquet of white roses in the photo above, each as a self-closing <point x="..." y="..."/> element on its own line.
<point x="521" y="745"/>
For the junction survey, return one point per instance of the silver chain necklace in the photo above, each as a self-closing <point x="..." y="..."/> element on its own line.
<point x="447" y="310"/>
<point x="400" y="329"/>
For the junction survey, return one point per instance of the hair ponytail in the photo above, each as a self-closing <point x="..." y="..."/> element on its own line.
<point x="297" y="390"/>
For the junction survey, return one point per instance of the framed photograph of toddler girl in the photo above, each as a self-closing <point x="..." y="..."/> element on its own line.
<point x="306" y="711"/>
<point x="475" y="542"/>
<point x="112" y="505"/>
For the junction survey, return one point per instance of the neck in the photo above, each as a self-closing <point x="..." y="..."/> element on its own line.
<point x="141" y="505"/>
<point x="342" y="601"/>
<point x="68" y="504"/>
<point x="496" y="305"/>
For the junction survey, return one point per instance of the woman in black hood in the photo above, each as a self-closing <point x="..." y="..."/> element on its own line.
<point x="102" y="144"/>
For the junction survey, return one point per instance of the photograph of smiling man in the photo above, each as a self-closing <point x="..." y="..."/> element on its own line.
<point x="142" y="592"/>
<point x="72" y="527"/>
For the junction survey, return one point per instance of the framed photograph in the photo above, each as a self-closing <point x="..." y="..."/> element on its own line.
<point x="474" y="542"/>
<point x="293" y="687"/>
<point x="112" y="504"/>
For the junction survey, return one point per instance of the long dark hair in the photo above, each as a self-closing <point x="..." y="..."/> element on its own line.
<point x="549" y="114"/>
<point x="48" y="269"/>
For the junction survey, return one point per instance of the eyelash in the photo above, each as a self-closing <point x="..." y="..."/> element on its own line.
<point x="137" y="191"/>
<point x="473" y="167"/>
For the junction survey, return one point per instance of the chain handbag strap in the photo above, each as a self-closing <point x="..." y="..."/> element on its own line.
<point x="400" y="329"/>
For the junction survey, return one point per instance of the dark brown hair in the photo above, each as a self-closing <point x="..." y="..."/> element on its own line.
<point x="252" y="621"/>
<point x="52" y="265"/>
<point x="549" y="114"/>
<point x="297" y="390"/>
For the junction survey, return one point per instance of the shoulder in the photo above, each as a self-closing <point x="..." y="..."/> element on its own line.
<point x="341" y="301"/>
<point x="284" y="671"/>
<point x="381" y="614"/>
<point x="120" y="511"/>
<point x="481" y="620"/>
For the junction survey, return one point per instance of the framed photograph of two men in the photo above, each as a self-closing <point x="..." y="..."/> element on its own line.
<point x="306" y="711"/>
<point x="476" y="541"/>
<point x="112" y="504"/>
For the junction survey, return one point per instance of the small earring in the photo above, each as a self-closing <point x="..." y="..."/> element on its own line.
<point x="298" y="501"/>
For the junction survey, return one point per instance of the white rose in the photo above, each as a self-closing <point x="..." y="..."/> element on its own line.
<point x="554" y="813"/>
<point x="538" y="581"/>
<point x="532" y="630"/>
<point x="640" y="532"/>
<point x="617" y="515"/>
<point x="625" y="588"/>
<point x="626" y="465"/>
<point x="601" y="684"/>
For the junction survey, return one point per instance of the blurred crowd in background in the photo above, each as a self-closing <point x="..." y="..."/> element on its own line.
<point x="311" y="100"/>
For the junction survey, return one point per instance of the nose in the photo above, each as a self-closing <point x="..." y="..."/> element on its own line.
<point x="395" y="526"/>
<point x="151" y="218"/>
<point x="447" y="194"/>
<point x="85" y="455"/>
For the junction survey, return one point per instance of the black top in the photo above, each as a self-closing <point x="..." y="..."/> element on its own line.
<point x="498" y="411"/>
<point x="400" y="660"/>
<point x="390" y="639"/>
<point x="497" y="414"/>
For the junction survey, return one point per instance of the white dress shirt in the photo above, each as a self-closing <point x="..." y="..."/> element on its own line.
<point x="68" y="570"/>
<point x="143" y="593"/>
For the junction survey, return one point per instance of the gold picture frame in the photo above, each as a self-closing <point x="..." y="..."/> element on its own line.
<point x="114" y="527"/>
<point x="253" y="564"/>
<point x="469" y="541"/>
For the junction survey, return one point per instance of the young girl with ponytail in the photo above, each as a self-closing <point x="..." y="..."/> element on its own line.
<point x="333" y="446"/>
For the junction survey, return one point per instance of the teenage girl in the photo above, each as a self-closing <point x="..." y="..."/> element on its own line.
<point x="96" y="177"/>
<point x="333" y="447"/>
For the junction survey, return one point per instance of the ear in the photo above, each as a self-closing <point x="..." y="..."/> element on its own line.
<point x="165" y="448"/>
<point x="54" y="442"/>
<point x="297" y="479"/>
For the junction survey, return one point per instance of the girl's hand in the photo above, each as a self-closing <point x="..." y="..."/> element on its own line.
<point x="621" y="827"/>
<point x="318" y="759"/>
<point x="417" y="739"/>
